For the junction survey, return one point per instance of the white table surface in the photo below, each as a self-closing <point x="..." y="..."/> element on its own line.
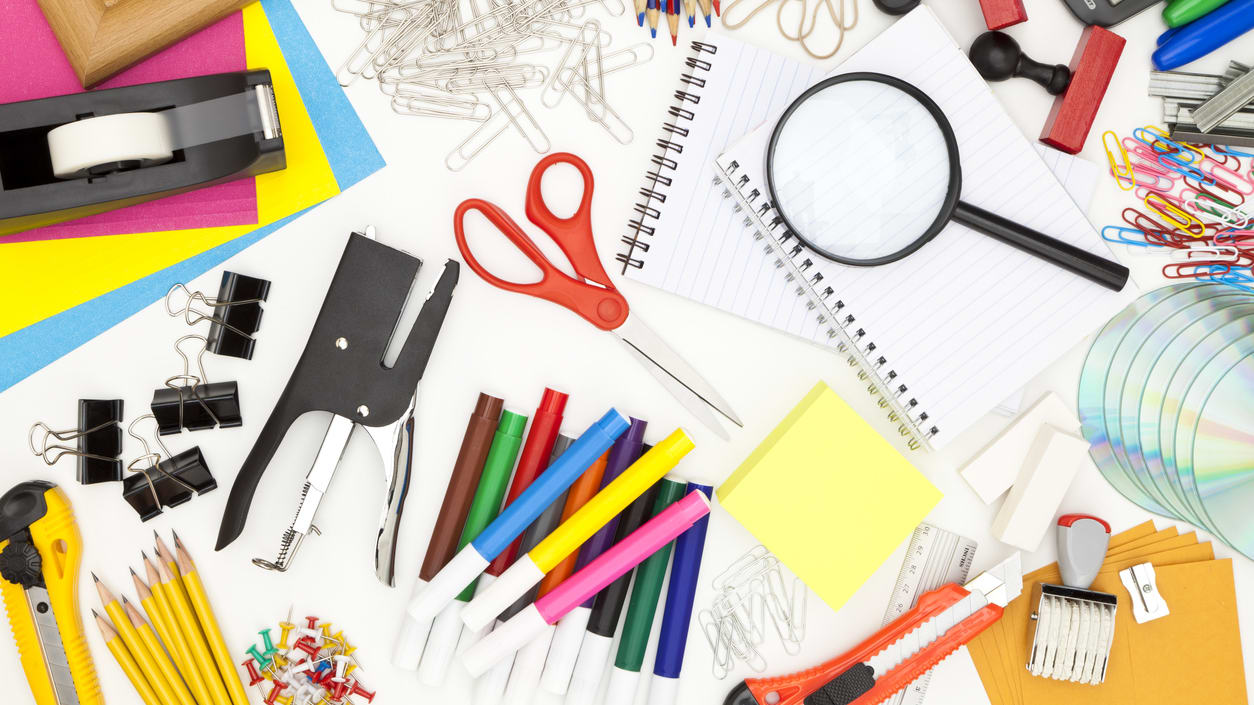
<point x="513" y="346"/>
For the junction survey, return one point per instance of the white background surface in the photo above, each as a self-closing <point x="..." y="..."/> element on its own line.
<point x="513" y="346"/>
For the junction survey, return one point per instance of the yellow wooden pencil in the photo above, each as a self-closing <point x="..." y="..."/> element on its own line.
<point x="166" y="557"/>
<point x="200" y="602"/>
<point x="159" y="614"/>
<point x="123" y="657"/>
<point x="164" y="665"/>
<point x="135" y="645"/>
<point x="196" y="642"/>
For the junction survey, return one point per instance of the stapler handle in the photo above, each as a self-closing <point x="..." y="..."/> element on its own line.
<point x="48" y="524"/>
<point x="396" y="449"/>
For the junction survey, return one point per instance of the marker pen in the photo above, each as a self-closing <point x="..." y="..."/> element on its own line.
<point x="412" y="639"/>
<point x="566" y="539"/>
<point x="474" y="558"/>
<point x="637" y="625"/>
<point x="594" y="652"/>
<point x="569" y="633"/>
<point x="677" y="615"/>
<point x="490" y="686"/>
<point x="483" y="509"/>
<point x="620" y="559"/>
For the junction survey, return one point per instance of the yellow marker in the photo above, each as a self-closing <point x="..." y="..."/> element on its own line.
<point x="123" y="657"/>
<point x="186" y="621"/>
<point x="149" y="639"/>
<point x="566" y="539"/>
<point x="200" y="602"/>
<point x="172" y="635"/>
<point x="135" y="645"/>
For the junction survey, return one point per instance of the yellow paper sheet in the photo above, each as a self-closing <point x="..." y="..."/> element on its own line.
<point x="42" y="279"/>
<point x="828" y="496"/>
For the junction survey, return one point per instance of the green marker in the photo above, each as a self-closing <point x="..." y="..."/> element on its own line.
<point x="442" y="642"/>
<point x="1182" y="12"/>
<point x="645" y="593"/>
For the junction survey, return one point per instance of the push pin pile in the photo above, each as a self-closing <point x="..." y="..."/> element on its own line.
<point x="311" y="665"/>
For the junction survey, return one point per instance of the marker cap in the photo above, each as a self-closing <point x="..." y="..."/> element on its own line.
<point x="663" y="690"/>
<point x="567" y="638"/>
<point x="446" y="584"/>
<point x="505" y="640"/>
<point x="441" y="645"/>
<point x="469" y="636"/>
<point x="622" y="687"/>
<point x="411" y="640"/>
<point x="528" y="664"/>
<point x="494" y="600"/>
<point x="585" y="681"/>
<point x="490" y="687"/>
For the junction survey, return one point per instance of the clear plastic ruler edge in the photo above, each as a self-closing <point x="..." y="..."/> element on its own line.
<point x="934" y="557"/>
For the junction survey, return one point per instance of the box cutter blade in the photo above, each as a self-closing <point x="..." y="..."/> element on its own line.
<point x="891" y="659"/>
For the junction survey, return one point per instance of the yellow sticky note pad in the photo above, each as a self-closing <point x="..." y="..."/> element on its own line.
<point x="828" y="495"/>
<point x="42" y="279"/>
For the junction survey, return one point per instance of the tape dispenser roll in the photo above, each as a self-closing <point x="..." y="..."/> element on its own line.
<point x="104" y="144"/>
<point x="108" y="143"/>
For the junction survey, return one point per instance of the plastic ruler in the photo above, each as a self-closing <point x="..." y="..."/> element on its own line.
<point x="935" y="557"/>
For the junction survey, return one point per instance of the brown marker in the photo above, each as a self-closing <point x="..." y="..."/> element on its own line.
<point x="448" y="525"/>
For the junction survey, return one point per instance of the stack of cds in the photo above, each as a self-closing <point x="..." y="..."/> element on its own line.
<point x="1166" y="401"/>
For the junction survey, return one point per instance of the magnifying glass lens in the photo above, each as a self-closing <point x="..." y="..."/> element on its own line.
<point x="860" y="171"/>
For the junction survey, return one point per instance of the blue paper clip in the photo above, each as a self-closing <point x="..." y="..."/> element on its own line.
<point x="1229" y="151"/>
<point x="1120" y="238"/>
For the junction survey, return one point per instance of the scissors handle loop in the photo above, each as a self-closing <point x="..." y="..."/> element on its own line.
<point x="603" y="307"/>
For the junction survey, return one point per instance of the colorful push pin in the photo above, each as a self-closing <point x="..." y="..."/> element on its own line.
<point x="359" y="691"/>
<point x="279" y="660"/>
<point x="265" y="639"/>
<point x="254" y="676"/>
<point x="1080" y="88"/>
<point x="339" y="691"/>
<point x="312" y="622"/>
<point x="285" y="628"/>
<point x="338" y="638"/>
<point x="307" y="645"/>
<point x="260" y="657"/>
<point x="341" y="661"/>
<point x="348" y="671"/>
<point x="325" y="627"/>
<point x="275" y="691"/>
<point x="284" y="700"/>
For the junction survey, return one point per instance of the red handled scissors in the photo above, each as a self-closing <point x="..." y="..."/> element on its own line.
<point x="590" y="293"/>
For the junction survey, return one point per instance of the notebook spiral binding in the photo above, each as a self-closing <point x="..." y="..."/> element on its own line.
<point x="872" y="368"/>
<point x="790" y="255"/>
<point x="673" y="132"/>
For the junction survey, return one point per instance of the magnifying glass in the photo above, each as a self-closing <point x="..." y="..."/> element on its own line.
<point x="863" y="169"/>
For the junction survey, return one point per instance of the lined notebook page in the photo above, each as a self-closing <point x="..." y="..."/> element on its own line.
<point x="965" y="320"/>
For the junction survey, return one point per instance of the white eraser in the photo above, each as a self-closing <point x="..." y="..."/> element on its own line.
<point x="1029" y="509"/>
<point x="991" y="472"/>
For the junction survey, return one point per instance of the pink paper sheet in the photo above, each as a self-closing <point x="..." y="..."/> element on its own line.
<point x="33" y="66"/>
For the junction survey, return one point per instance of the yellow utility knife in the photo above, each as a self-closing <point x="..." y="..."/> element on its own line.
<point x="40" y="554"/>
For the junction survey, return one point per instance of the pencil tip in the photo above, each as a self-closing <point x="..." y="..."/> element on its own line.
<point x="133" y="573"/>
<point x="707" y="20"/>
<point x="143" y="553"/>
<point x="653" y="33"/>
<point x="94" y="578"/>
<point x="640" y="19"/>
<point x="177" y="542"/>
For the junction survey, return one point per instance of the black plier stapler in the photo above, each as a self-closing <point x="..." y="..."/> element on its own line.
<point x="342" y="371"/>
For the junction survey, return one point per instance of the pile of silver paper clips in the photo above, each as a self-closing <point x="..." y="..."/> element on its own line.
<point x="475" y="59"/>
<point x="752" y="590"/>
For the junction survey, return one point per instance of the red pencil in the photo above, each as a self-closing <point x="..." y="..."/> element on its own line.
<point x="672" y="19"/>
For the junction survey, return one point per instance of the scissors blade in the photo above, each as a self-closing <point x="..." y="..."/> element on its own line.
<point x="679" y="378"/>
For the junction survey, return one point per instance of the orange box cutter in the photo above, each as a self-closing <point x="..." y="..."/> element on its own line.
<point x="895" y="656"/>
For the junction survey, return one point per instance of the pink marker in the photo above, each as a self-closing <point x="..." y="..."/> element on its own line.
<point x="605" y="569"/>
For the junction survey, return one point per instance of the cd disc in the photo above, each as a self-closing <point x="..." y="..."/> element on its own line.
<point x="1141" y="417"/>
<point x="1225" y="458"/>
<point x="1092" y="388"/>
<point x="1162" y="327"/>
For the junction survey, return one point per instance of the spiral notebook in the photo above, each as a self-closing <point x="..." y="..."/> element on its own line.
<point x="939" y="338"/>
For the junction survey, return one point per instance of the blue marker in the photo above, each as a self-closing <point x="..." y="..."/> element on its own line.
<point x="510" y="523"/>
<point x="1204" y="35"/>
<point x="678" y="612"/>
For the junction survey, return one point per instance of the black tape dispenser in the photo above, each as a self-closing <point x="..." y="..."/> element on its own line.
<point x="76" y="155"/>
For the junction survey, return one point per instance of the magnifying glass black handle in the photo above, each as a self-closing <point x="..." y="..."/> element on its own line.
<point x="1111" y="275"/>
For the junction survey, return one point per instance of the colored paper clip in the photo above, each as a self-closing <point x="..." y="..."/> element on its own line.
<point x="1227" y="214"/>
<point x="1184" y="223"/>
<point x="1194" y="270"/>
<point x="1210" y="254"/>
<point x="1143" y="156"/>
<point x="1121" y="166"/>
<point x="1229" y="151"/>
<point x="1231" y="180"/>
<point x="1133" y="237"/>
<point x="1240" y="239"/>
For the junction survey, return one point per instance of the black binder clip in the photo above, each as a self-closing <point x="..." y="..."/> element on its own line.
<point x="98" y="437"/>
<point x="168" y="480"/>
<point x="236" y="314"/>
<point x="191" y="401"/>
